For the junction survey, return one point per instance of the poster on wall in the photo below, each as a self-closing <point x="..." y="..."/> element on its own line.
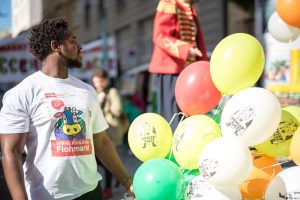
<point x="282" y="67"/>
<point x="279" y="60"/>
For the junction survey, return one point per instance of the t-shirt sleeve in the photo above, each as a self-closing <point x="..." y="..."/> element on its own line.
<point x="14" y="117"/>
<point x="99" y="122"/>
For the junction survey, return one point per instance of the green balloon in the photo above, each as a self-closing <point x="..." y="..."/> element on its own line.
<point x="158" y="179"/>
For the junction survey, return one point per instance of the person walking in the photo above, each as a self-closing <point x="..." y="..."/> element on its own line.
<point x="178" y="41"/>
<point x="111" y="104"/>
<point x="57" y="119"/>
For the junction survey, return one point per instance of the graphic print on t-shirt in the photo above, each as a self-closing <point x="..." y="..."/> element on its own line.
<point x="69" y="125"/>
<point x="70" y="133"/>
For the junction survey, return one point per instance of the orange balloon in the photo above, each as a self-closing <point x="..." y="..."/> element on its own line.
<point x="289" y="11"/>
<point x="264" y="169"/>
<point x="295" y="147"/>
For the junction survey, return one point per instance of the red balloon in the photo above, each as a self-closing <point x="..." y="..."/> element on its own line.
<point x="195" y="91"/>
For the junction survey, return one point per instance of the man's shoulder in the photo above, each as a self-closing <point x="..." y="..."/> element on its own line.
<point x="25" y="85"/>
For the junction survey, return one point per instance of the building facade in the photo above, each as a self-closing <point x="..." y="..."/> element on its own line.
<point x="25" y="13"/>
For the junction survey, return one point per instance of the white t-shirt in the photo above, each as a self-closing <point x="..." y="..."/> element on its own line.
<point x="61" y="116"/>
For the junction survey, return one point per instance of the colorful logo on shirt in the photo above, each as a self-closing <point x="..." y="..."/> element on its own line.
<point x="69" y="125"/>
<point x="57" y="104"/>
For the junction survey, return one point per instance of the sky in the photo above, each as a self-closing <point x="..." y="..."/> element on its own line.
<point x="5" y="14"/>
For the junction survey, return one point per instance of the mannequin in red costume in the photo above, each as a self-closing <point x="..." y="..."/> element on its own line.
<point x="178" y="41"/>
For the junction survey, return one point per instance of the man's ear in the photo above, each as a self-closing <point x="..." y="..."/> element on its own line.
<point x="54" y="45"/>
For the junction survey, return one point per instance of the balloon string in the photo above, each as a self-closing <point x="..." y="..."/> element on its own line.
<point x="279" y="163"/>
<point x="218" y="108"/>
<point x="170" y="155"/>
<point x="182" y="118"/>
<point x="178" y="114"/>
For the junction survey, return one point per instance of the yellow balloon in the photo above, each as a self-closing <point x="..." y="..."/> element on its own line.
<point x="278" y="145"/>
<point x="190" y="137"/>
<point x="150" y="136"/>
<point x="294" y="147"/>
<point x="236" y="63"/>
<point x="294" y="110"/>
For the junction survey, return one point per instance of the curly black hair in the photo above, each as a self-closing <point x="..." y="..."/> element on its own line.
<point x="42" y="34"/>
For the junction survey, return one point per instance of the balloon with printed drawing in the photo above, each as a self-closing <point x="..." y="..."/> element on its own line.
<point x="295" y="143"/>
<point x="263" y="171"/>
<point x="288" y="11"/>
<point x="280" y="30"/>
<point x="157" y="179"/>
<point x="200" y="189"/>
<point x="190" y="136"/>
<point x="252" y="115"/>
<point x="195" y="91"/>
<point x="285" y="185"/>
<point x="150" y="136"/>
<point x="236" y="63"/>
<point x="278" y="145"/>
<point x="225" y="161"/>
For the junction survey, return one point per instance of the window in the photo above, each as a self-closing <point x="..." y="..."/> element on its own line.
<point x="145" y="40"/>
<point x="124" y="45"/>
<point x="87" y="9"/>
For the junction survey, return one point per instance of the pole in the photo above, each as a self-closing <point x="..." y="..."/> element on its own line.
<point x="103" y="32"/>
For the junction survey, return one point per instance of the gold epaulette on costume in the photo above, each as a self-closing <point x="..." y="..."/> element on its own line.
<point x="167" y="6"/>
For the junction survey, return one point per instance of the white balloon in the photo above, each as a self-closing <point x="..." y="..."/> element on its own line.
<point x="280" y="30"/>
<point x="252" y="115"/>
<point x="200" y="189"/>
<point x="225" y="162"/>
<point x="285" y="185"/>
<point x="233" y="193"/>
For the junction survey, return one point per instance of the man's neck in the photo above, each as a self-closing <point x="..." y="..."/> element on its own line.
<point x="55" y="68"/>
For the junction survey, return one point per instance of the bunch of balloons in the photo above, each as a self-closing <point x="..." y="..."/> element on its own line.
<point x="207" y="158"/>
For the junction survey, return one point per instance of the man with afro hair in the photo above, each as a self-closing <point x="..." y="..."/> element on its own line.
<point x="57" y="120"/>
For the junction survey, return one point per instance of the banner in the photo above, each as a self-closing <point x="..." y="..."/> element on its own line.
<point x="16" y="62"/>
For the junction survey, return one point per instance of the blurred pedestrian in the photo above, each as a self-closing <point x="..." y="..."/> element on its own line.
<point x="178" y="41"/>
<point x="132" y="111"/>
<point x="111" y="105"/>
<point x="57" y="119"/>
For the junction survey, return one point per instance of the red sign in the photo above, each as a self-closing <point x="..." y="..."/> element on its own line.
<point x="76" y="147"/>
